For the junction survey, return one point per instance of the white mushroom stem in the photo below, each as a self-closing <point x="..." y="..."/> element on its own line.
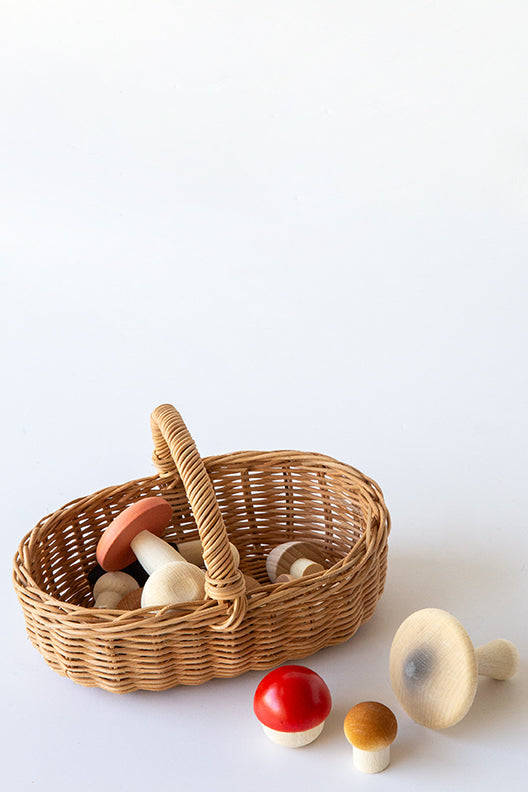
<point x="294" y="739"/>
<point x="371" y="761"/>
<point x="171" y="578"/>
<point x="498" y="659"/>
<point x="303" y="567"/>
<point x="111" y="587"/>
<point x="153" y="552"/>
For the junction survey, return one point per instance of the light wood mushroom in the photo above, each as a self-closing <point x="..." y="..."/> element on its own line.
<point x="192" y="552"/>
<point x="298" y="559"/>
<point x="371" y="728"/>
<point x="434" y="667"/>
<point x="252" y="584"/>
<point x="285" y="578"/>
<point x="131" y="601"/>
<point x="111" y="587"/>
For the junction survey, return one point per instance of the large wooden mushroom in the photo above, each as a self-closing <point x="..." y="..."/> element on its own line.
<point x="434" y="667"/>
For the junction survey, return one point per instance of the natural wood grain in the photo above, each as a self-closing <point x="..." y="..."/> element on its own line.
<point x="498" y="659"/>
<point x="111" y="587"/>
<point x="292" y="558"/>
<point x="153" y="552"/>
<point x="294" y="739"/>
<point x="434" y="667"/>
<point x="172" y="584"/>
<point x="131" y="601"/>
<point x="371" y="728"/>
<point x="192" y="552"/>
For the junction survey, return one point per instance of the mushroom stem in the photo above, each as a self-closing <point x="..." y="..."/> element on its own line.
<point x="294" y="739"/>
<point x="498" y="659"/>
<point x="154" y="552"/>
<point x="303" y="567"/>
<point x="371" y="761"/>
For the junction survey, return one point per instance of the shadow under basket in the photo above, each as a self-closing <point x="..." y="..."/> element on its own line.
<point x="256" y="500"/>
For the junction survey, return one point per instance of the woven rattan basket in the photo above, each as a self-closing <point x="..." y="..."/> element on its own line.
<point x="256" y="500"/>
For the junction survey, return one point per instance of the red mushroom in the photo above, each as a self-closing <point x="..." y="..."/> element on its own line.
<point x="292" y="703"/>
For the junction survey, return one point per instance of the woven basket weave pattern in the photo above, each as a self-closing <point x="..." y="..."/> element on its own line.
<point x="255" y="500"/>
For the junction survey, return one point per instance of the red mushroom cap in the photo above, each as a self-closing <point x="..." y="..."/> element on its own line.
<point x="292" y="698"/>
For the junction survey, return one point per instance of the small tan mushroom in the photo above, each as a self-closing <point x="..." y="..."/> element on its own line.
<point x="252" y="584"/>
<point x="192" y="552"/>
<point x="285" y="578"/>
<point x="111" y="587"/>
<point x="371" y="728"/>
<point x="131" y="601"/>
<point x="434" y="667"/>
<point x="298" y="559"/>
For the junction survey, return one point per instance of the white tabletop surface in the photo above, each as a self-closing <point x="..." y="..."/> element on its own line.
<point x="304" y="224"/>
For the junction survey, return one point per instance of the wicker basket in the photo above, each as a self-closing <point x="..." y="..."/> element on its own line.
<point x="259" y="500"/>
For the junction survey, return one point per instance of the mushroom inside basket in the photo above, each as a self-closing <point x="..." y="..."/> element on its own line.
<point x="251" y="500"/>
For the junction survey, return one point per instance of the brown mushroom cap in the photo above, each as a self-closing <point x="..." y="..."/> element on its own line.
<point x="370" y="726"/>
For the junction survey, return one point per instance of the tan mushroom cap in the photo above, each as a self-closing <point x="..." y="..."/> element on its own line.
<point x="433" y="668"/>
<point x="370" y="726"/>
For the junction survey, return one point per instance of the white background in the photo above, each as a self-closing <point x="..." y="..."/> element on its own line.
<point x="305" y="225"/>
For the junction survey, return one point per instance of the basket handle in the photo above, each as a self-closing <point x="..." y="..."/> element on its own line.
<point x="175" y="453"/>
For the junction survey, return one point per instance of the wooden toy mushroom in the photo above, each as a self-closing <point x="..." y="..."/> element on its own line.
<point x="135" y="533"/>
<point x="111" y="587"/>
<point x="192" y="552"/>
<point x="252" y="584"/>
<point x="434" y="667"/>
<point x="292" y="703"/>
<point x="135" y="569"/>
<point x="371" y="728"/>
<point x="294" y="558"/>
<point x="131" y="601"/>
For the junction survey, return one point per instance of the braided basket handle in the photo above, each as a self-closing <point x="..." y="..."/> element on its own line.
<point x="175" y="452"/>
